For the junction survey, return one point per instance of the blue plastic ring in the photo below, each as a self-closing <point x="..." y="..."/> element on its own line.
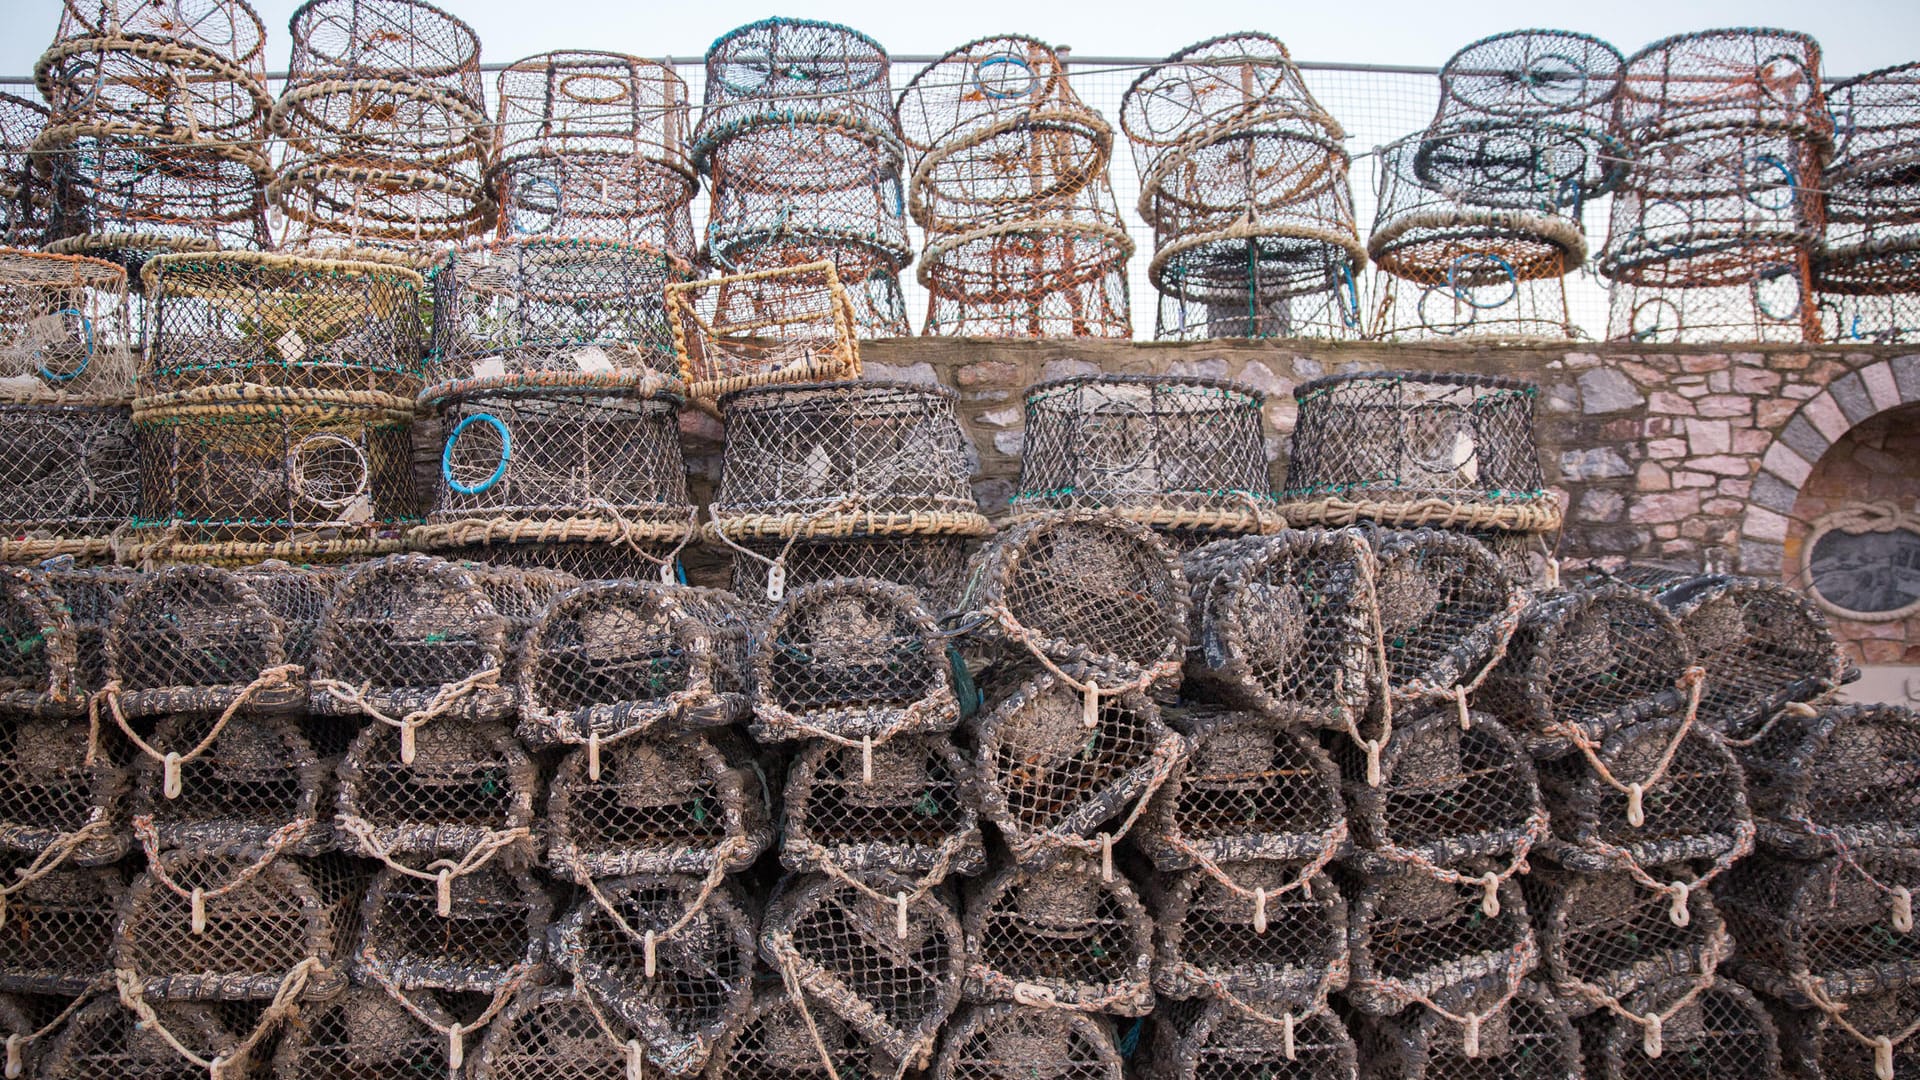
<point x="980" y="72"/>
<point x="86" y="327"/>
<point x="500" y="470"/>
<point x="1453" y="274"/>
<point x="1350" y="316"/>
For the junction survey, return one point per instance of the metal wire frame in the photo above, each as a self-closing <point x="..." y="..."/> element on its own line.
<point x="555" y="1031"/>
<point x="258" y="782"/>
<point x="1605" y="936"/>
<point x="467" y="796"/>
<point x="1865" y="270"/>
<point x="1823" y="1045"/>
<point x="932" y="565"/>
<point x="1533" y="75"/>
<point x="70" y="479"/>
<point x="60" y="806"/>
<point x="39" y="649"/>
<point x="800" y="72"/>
<point x="229" y="29"/>
<point x="1415" y="938"/>
<point x="1721" y="1033"/>
<point x="107" y="1038"/>
<point x="409" y="56"/>
<point x="1732" y="78"/>
<point x="1765" y="647"/>
<point x="786" y="185"/>
<point x="90" y="594"/>
<point x="369" y="1031"/>
<point x="1010" y="1041"/>
<point x="64" y="331"/>
<point x="1525" y="1030"/>
<point x="787" y="1038"/>
<point x="1826" y="931"/>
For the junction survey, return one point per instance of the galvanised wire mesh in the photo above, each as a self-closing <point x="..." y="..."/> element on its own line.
<point x="555" y="1032"/>
<point x="1281" y="949"/>
<point x="1202" y="1039"/>
<point x="932" y="566"/>
<point x="786" y="1039"/>
<point x="1064" y="937"/>
<point x="71" y="477"/>
<point x="1839" y="779"/>
<point x="1417" y="938"/>
<point x="365" y="1032"/>
<point x="905" y="809"/>
<point x="1505" y="1034"/>
<point x="1017" y="1042"/>
<point x="1720" y="1033"/>
<point x="483" y="933"/>
<point x="1818" y="1045"/>
<point x="1821" y="932"/>
<point x="106" y="1038"/>
<point x="62" y="926"/>
<point x="785" y="324"/>
<point x="64" y="331"/>
<point x="259" y="782"/>
<point x="1864" y="273"/>
<point x="1764" y="647"/>
<point x="59" y="803"/>
<point x="1604" y="936"/>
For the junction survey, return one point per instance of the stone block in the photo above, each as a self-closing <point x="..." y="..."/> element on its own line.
<point x="1760" y="558"/>
<point x="1651" y="477"/>
<point x="1705" y="362"/>
<point x="1725" y="405"/>
<point x="1805" y="440"/>
<point x="1783" y="461"/>
<point x="1774" y="493"/>
<point x="1064" y="367"/>
<point x="1211" y="368"/>
<point x="1709" y="436"/>
<point x="1667" y="449"/>
<point x="1826" y="416"/>
<point x="1660" y="507"/>
<point x="1906" y="376"/>
<point x="1722" y="464"/>
<point x="989" y="373"/>
<point x="1881" y="388"/>
<point x="1850" y="393"/>
<point x="1601" y="504"/>
<point x="1003" y="418"/>
<point x="1764" y="524"/>
<point x="1670" y="404"/>
<point x="1010" y="442"/>
<point x="1261" y="377"/>
<point x="911" y="373"/>
<point x="1593" y="463"/>
<point x="1753" y="380"/>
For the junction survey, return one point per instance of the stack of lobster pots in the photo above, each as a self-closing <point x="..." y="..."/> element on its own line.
<point x="1868" y="290"/>
<point x="24" y="204"/>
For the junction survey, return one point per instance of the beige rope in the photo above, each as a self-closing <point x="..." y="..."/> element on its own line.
<point x="286" y="997"/>
<point x="441" y="871"/>
<point x="444" y="700"/>
<point x="1719" y="947"/>
<point x="270" y="679"/>
<point x="17" y="1042"/>
<point x="454" y="1033"/>
<point x="1692" y="681"/>
<point x="1331" y="842"/>
<point x="785" y="956"/>
<point x="282" y="838"/>
<point x="1882" y="1045"/>
<point x="1521" y="962"/>
<point x="821" y="857"/>
<point x="99" y="825"/>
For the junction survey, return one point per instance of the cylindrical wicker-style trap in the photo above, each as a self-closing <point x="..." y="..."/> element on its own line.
<point x="69" y="478"/>
<point x="1017" y="1042"/>
<point x="671" y="959"/>
<point x="906" y="809"/>
<point x="24" y="194"/>
<point x="1824" y="931"/>
<point x="1275" y="937"/>
<point x="1201" y="1039"/>
<point x="1507" y="1033"/>
<point x="469" y="789"/>
<point x="484" y="933"/>
<point x="55" y="797"/>
<point x="105" y="1038"/>
<point x="554" y="1032"/>
<point x="1415" y="937"/>
<point x="1841" y="779"/>
<point x="64" y="333"/>
<point x="123" y="197"/>
<point x="258" y="782"/>
<point x="367" y="1032"/>
<point x="39" y="649"/>
<point x="1604" y="936"/>
<point x="1762" y="644"/>
<point x="933" y="566"/>
<point x="1817" y="1046"/>
<point x="60" y="928"/>
<point x="1722" y="1034"/>
<point x="686" y="805"/>
<point x="787" y="324"/>
<point x="780" y="1042"/>
<point x="1064" y="936"/>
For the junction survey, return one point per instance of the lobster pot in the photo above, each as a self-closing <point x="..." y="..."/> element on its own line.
<point x="91" y="595"/>
<point x="932" y="565"/>
<point x="1016" y="1042"/>
<point x="258" y="782"/>
<point x="700" y="983"/>
<point x="1763" y="646"/>
<point x="1526" y="1034"/>
<point x="904" y="809"/>
<point x="868" y="270"/>
<point x="256" y="931"/>
<point x="784" y="324"/>
<point x="1814" y="1045"/>
<point x="1834" y="926"/>
<point x="1604" y="936"/>
<point x="780" y="1042"/>
<point x="1694" y="811"/>
<point x="1284" y="624"/>
<point x="24" y="1016"/>
<point x="599" y="554"/>
<point x="779" y="186"/>
<point x="220" y="319"/>
<point x="1277" y="937"/>
<point x="38" y="649"/>
<point x="1409" y="449"/>
<point x="1083" y="940"/>
<point x="1477" y="294"/>
<point x="1060" y="272"/>
<point x="1444" y="607"/>
<point x="123" y="197"/>
<point x="482" y="934"/>
<point x="1775" y="302"/>
<point x="1753" y="78"/>
<point x="64" y="332"/>
<point x="467" y="782"/>
<point x="1534" y="75"/>
<point x="1724" y="1034"/>
<point x="612" y="658"/>
<point x="1414" y="936"/>
<point x="1445" y="795"/>
<point x="1094" y="592"/>
<point x="687" y="805"/>
<point x="1048" y="780"/>
<point x="1584" y="662"/>
<point x="1525" y="558"/>
<point x="1202" y="1038"/>
<point x="23" y="194"/>
<point x="105" y="1038"/>
<point x="1841" y="779"/>
<point x="1856" y="301"/>
<point x="169" y="76"/>
<point x="69" y="478"/>
<point x="365" y="1032"/>
<point x="1250" y="789"/>
<point x="1220" y="285"/>
<point x="845" y="951"/>
<point x="852" y="658"/>
<point x="1864" y="276"/>
<point x="193" y="638"/>
<point x="553" y="1031"/>
<point x="61" y="926"/>
<point x="799" y="73"/>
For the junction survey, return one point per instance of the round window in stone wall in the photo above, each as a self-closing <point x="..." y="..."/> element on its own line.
<point x="1863" y="563"/>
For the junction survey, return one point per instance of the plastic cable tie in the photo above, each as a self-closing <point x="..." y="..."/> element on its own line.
<point x="636" y="1060"/>
<point x="866" y="759"/>
<point x="1286" y="1035"/>
<point x="1470" y="1038"/>
<point x="15" y="1063"/>
<point x="1882" y="1058"/>
<point x="1090" y="705"/>
<point x="456" y="1047"/>
<point x="408" y="743"/>
<point x="1106" y="857"/>
<point x="1677" y="911"/>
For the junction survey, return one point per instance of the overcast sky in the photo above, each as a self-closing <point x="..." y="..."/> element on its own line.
<point x="1857" y="35"/>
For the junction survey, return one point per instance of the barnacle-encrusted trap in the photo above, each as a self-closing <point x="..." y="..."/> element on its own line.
<point x="906" y="808"/>
<point x="482" y="931"/>
<point x="1062" y="937"/>
<point x="1012" y="1042"/>
<point x="1270" y="932"/>
<point x="686" y="805"/>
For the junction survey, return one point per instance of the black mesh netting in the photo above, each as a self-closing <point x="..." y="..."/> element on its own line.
<point x="469" y="787"/>
<point x="1762" y="644"/>
<point x="1604" y="936"/>
<point x="59" y="928"/>
<point x="23" y="194"/>
<point x="69" y="474"/>
<point x="933" y="566"/>
<point x="1824" y="931"/>
<point x="1275" y="936"/>
<point x="368" y="1033"/>
<point x="259" y="781"/>
<point x="555" y="1032"/>
<point x="1217" y="1040"/>
<point x="780" y="1041"/>
<point x="1721" y="1033"/>
<point x="39" y="650"/>
<point x="905" y="808"/>
<point x="1016" y="1042"/>
<point x="91" y="595"/>
<point x="1505" y="1034"/>
<point x="1415" y="937"/>
<point x="787" y="324"/>
<point x="1066" y="936"/>
<point x="1844" y="777"/>
<point x="1817" y="1046"/>
<point x="107" y="1039"/>
<point x="483" y="932"/>
<point x="1444" y="606"/>
<point x="55" y="798"/>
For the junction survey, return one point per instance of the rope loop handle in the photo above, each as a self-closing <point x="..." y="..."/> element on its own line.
<point x="271" y="678"/>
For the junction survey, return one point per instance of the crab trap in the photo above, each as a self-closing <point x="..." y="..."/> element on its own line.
<point x="63" y="799"/>
<point x="91" y="595"/>
<point x="1489" y="1031"/>
<point x="1844" y="778"/>
<point x="1854" y="1043"/>
<point x="692" y="804"/>
<point x="1066" y="937"/>
<point x="891" y="971"/>
<point x="369" y="1032"/>
<point x="106" y="1038"/>
<point x="122" y="197"/>
<point x="1534" y="75"/>
<point x="1719" y="1033"/>
<point x="1825" y="931"/>
<point x="59" y="927"/>
<point x="481" y="931"/>
<point x="1443" y="607"/>
<point x="1269" y="932"/>
<point x="1604" y="936"/>
<point x="39" y="649"/>
<point x="905" y="809"/>
<point x="931" y="565"/>
<point x="24" y="196"/>
<point x="466" y="791"/>
<point x="784" y="324"/>
<point x="785" y="186"/>
<point x="799" y="73"/>
<point x="616" y="658"/>
<point x="1417" y="938"/>
<point x="1759" y="79"/>
<point x="1203" y="1038"/>
<point x="551" y="1032"/>
<point x="1058" y="276"/>
<point x="1763" y="645"/>
<point x="669" y="956"/>
<point x="70" y="479"/>
<point x="64" y="330"/>
<point x="875" y="304"/>
<point x="1018" y="1042"/>
<point x="257" y="781"/>
<point x="786" y="1039"/>
<point x="1055" y="775"/>
<point x="170" y="75"/>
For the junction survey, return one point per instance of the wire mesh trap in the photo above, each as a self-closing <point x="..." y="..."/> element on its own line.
<point x="1534" y="75"/>
<point x="39" y="650"/>
<point x="1283" y="624"/>
<point x="906" y="809"/>
<point x="615" y="658"/>
<point x="1444" y="606"/>
<point x="91" y="594"/>
<point x="1049" y="780"/>
<point x="783" y="1039"/>
<point x="1604" y="936"/>
<point x="670" y="957"/>
<point x="1720" y="1033"/>
<point x="687" y="805"/>
<point x="258" y="781"/>
<point x="69" y="477"/>
<point x="467" y="794"/>
<point x="552" y="1032"/>
<point x="1202" y="1038"/>
<point x="780" y="72"/>
<point x="1066" y="937"/>
<point x="1495" y="1032"/>
<point x="59" y="802"/>
<point x="23" y="194"/>
<point x="105" y="1038"/>
<point x="1409" y="449"/>
<point x="59" y="927"/>
<point x="1756" y="78"/>
<point x="1417" y="938"/>
<point x="789" y="324"/>
<point x="1058" y="276"/>
<point x="933" y="566"/>
<point x="1763" y="645"/>
<point x="1015" y="1042"/>
<point x="802" y="185"/>
<point x="171" y="76"/>
<point x="1818" y="1045"/>
<point x="64" y="331"/>
<point x="369" y="1032"/>
<point x="1269" y="934"/>
<point x="483" y="931"/>
<point x="869" y="273"/>
<point x="1864" y="271"/>
<point x="842" y="944"/>
<point x="1823" y="932"/>
<point x="1840" y="779"/>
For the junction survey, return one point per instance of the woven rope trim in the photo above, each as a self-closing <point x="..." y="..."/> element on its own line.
<point x="453" y="534"/>
<point x="1541" y="515"/>
<point x="846" y="525"/>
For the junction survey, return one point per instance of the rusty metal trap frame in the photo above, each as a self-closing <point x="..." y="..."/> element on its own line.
<point x="1824" y="931"/>
<point x="371" y="1031"/>
<point x="1888" y="318"/>
<point x="1874" y="1029"/>
<point x="1584" y="662"/>
<point x="1204" y="1038"/>
<point x="1055" y="776"/>
<point x="671" y="957"/>
<point x="691" y="804"/>
<point x="1836" y="779"/>
<point x="1272" y="936"/>
<point x="785" y="324"/>
<point x="465" y="798"/>
<point x="91" y="594"/>
<point x="554" y="1032"/>
<point x="1722" y="1032"/>
<point x="1283" y="624"/>
<point x="203" y="639"/>
<point x="1408" y="449"/>
<point x="65" y="335"/>
<point x="1414" y="938"/>
<point x="891" y="971"/>
<point x="71" y="479"/>
<point x="1067" y="936"/>
<point x="611" y="659"/>
<point x="1732" y="78"/>
<point x="907" y="809"/>
<point x="875" y="303"/>
<point x="1764" y="647"/>
<point x="594" y="144"/>
<point x="783" y="1039"/>
<point x="39" y="649"/>
<point x="482" y="932"/>
<point x="62" y="801"/>
<point x="60" y="926"/>
<point x="107" y="1038"/>
<point x="934" y="566"/>
<point x="271" y="319"/>
<point x="1010" y="1042"/>
<point x="258" y="781"/>
<point x="1864" y="272"/>
<point x="1604" y="936"/>
<point x="172" y="75"/>
<point x="1062" y="275"/>
<point x="24" y="196"/>
<point x="281" y="931"/>
<point x="1506" y="1032"/>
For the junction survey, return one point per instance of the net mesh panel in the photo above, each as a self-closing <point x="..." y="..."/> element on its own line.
<point x="24" y="1015"/>
<point x="1845" y="778"/>
<point x="276" y="320"/>
<point x="52" y="791"/>
<point x="1763" y="79"/>
<point x="1214" y="1040"/>
<point x="844" y="949"/>
<point x="60" y="929"/>
<point x="170" y="80"/>
<point x="781" y="184"/>
<point x="777" y="1043"/>
<point x="23" y="194"/>
<point x="615" y="657"/>
<point x="467" y="782"/>
<point x="1444" y="607"/>
<point x="851" y="658"/>
<point x="592" y="145"/>
<point x="1763" y="645"/>
<point x="1446" y="796"/>
<point x="192" y="638"/>
<point x="1047" y="779"/>
<point x="1604" y="936"/>
<point x="1814" y="1045"/>
<point x="1533" y="75"/>
<point x="259" y="777"/>
<point x="906" y="810"/>
<point x="551" y="1033"/>
<point x="1250" y="789"/>
<point x="1416" y="936"/>
<point x="1584" y="662"/>
<point x="1725" y="1034"/>
<point x="107" y="1039"/>
<point x="781" y="71"/>
<point x="1284" y="954"/>
<point x="64" y="330"/>
<point x="933" y="566"/>
<point x="1526" y="1036"/>
<point x="687" y="805"/>
<point x="39" y="650"/>
<point x="1015" y="1042"/>
<point x="1064" y="934"/>
<point x="91" y="595"/>
<point x="783" y="325"/>
<point x="122" y="197"/>
<point x="1490" y="285"/>
<point x="586" y="559"/>
<point x="702" y="981"/>
<point x="70" y="473"/>
<point x="1864" y="277"/>
<point x="360" y="1035"/>
<point x="1283" y="624"/>
<point x="876" y="303"/>
<point x="290" y="911"/>
<point x="1827" y="926"/>
<point x="494" y="930"/>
